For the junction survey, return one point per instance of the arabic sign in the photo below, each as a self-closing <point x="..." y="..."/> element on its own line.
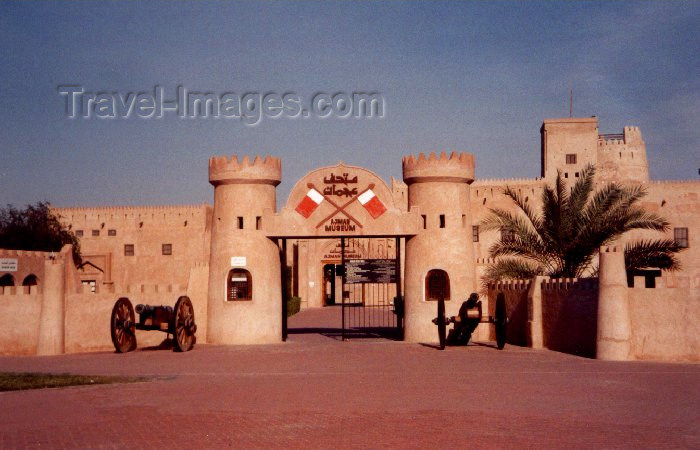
<point x="333" y="188"/>
<point x="8" y="264"/>
<point x="238" y="261"/>
<point x="360" y="271"/>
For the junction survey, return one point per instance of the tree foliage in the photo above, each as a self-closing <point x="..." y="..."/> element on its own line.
<point x="35" y="228"/>
<point x="563" y="239"/>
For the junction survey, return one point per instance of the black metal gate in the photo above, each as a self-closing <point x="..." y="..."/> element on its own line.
<point x="372" y="300"/>
<point x="371" y="296"/>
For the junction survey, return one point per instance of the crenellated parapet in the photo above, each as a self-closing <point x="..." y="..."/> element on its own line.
<point x="485" y="261"/>
<point x="501" y="182"/>
<point x="5" y="253"/>
<point x="629" y="136"/>
<point x="458" y="167"/>
<point x="570" y="284"/>
<point x="511" y="285"/>
<point x="224" y="170"/>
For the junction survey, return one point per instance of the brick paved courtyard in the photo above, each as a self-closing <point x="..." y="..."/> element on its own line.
<point x="316" y="391"/>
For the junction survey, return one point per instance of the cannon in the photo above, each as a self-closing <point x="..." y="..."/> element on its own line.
<point x="469" y="317"/>
<point x="177" y="321"/>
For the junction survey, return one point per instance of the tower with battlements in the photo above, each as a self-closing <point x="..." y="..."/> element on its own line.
<point x="244" y="267"/>
<point x="569" y="144"/>
<point x="439" y="259"/>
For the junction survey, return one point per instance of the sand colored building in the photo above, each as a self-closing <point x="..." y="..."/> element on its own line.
<point x="416" y="239"/>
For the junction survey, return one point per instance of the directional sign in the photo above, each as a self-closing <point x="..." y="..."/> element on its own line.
<point x="370" y="271"/>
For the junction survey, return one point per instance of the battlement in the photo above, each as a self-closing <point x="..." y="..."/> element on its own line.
<point x="117" y="216"/>
<point x="511" y="285"/>
<point x="5" y="253"/>
<point x="673" y="182"/>
<point x="502" y="182"/>
<point x="223" y="170"/>
<point x="630" y="135"/>
<point x="20" y="291"/>
<point x="455" y="168"/>
<point x="569" y="284"/>
<point x="484" y="261"/>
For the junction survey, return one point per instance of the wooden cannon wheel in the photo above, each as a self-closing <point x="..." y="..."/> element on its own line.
<point x="501" y="322"/>
<point x="441" y="323"/>
<point x="184" y="326"/>
<point x="123" y="326"/>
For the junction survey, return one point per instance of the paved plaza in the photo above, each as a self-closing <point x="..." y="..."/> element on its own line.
<point x="316" y="391"/>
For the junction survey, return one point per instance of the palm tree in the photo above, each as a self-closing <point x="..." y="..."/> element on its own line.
<point x="563" y="239"/>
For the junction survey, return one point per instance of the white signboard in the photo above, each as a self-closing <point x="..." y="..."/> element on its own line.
<point x="238" y="261"/>
<point x="8" y="264"/>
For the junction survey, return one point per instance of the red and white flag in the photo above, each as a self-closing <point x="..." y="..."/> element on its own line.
<point x="371" y="203"/>
<point x="309" y="203"/>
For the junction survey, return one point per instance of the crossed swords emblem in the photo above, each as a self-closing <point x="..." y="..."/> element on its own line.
<point x="340" y="208"/>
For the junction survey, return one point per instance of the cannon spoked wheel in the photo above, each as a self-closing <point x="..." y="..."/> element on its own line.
<point x="185" y="327"/>
<point x="501" y="322"/>
<point x="122" y="326"/>
<point x="442" y="326"/>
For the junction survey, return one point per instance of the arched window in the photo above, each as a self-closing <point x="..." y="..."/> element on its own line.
<point x="7" y="280"/>
<point x="437" y="285"/>
<point x="30" y="280"/>
<point x="239" y="285"/>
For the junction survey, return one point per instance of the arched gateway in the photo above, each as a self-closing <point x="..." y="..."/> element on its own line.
<point x="431" y="231"/>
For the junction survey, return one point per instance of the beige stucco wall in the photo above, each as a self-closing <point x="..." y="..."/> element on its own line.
<point x="665" y="324"/>
<point x="19" y="319"/>
<point x="186" y="228"/>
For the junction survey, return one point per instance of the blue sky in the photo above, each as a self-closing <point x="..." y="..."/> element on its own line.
<point x="472" y="76"/>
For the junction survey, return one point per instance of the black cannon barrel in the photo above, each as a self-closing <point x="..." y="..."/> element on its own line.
<point x="140" y="309"/>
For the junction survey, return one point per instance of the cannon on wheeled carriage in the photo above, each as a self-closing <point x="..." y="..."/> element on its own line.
<point x="177" y="321"/>
<point x="469" y="317"/>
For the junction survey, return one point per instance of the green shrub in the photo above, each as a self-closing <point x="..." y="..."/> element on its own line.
<point x="293" y="305"/>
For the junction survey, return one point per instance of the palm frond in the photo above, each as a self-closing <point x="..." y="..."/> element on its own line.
<point x="652" y="253"/>
<point x="511" y="268"/>
<point x="534" y="219"/>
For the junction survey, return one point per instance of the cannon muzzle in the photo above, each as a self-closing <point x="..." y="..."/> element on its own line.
<point x="140" y="309"/>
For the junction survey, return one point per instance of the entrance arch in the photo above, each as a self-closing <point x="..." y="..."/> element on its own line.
<point x="348" y="218"/>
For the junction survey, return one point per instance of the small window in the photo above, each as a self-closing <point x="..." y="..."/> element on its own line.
<point x="680" y="237"/>
<point x="30" y="280"/>
<point x="95" y="233"/>
<point x="258" y="223"/>
<point x="442" y="221"/>
<point x="128" y="249"/>
<point x="111" y="232"/>
<point x="78" y="233"/>
<point x="507" y="235"/>
<point x="425" y="221"/>
<point x="240" y="222"/>
<point x="437" y="285"/>
<point x="576" y="175"/>
<point x="571" y="158"/>
<point x="475" y="233"/>
<point x="566" y="174"/>
<point x="92" y="285"/>
<point x="464" y="221"/>
<point x="7" y="280"/>
<point x="167" y="249"/>
<point x="239" y="285"/>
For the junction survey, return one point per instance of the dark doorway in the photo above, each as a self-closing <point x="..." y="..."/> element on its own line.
<point x="7" y="280"/>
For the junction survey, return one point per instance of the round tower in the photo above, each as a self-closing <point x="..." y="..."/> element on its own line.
<point x="440" y="259"/>
<point x="244" y="301"/>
